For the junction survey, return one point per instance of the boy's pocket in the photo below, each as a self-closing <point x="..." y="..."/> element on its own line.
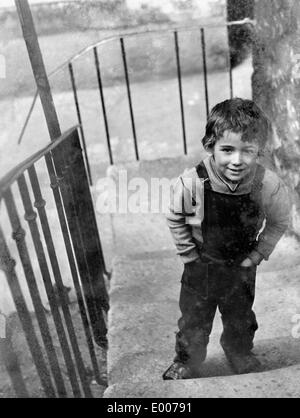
<point x="253" y="267"/>
<point x="195" y="277"/>
<point x="248" y="276"/>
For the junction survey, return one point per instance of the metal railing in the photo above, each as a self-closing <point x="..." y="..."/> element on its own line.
<point x="74" y="209"/>
<point x="121" y="38"/>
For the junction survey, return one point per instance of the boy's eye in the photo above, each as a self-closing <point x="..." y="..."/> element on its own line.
<point x="227" y="150"/>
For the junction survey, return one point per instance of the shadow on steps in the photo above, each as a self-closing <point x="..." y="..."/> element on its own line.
<point x="148" y="366"/>
<point x="273" y="354"/>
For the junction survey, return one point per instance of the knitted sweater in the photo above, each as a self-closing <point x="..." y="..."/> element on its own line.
<point x="186" y="210"/>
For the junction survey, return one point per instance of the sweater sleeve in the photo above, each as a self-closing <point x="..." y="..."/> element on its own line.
<point x="277" y="213"/>
<point x="185" y="214"/>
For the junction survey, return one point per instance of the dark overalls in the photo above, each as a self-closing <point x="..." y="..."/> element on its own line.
<point x="230" y="226"/>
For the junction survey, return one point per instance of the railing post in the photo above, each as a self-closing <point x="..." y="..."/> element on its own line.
<point x="229" y="64"/>
<point x="129" y="98"/>
<point x="97" y="64"/>
<point x="67" y="240"/>
<point x="31" y="217"/>
<point x="180" y="90"/>
<point x="19" y="237"/>
<point x="204" y="71"/>
<point x="74" y="88"/>
<point x="230" y="77"/>
<point x="40" y="205"/>
<point x="38" y="67"/>
<point x="7" y="264"/>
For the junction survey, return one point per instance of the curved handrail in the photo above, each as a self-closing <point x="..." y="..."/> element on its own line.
<point x="128" y="35"/>
<point x="147" y="31"/>
<point x="13" y="174"/>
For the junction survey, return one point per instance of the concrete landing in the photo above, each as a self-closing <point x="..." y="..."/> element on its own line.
<point x="144" y="294"/>
<point x="143" y="320"/>
<point x="281" y="383"/>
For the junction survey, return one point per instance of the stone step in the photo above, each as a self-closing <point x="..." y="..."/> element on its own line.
<point x="282" y="383"/>
<point x="144" y="295"/>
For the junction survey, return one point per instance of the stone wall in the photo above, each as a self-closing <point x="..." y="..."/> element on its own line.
<point x="276" y="87"/>
<point x="179" y="10"/>
<point x="70" y="16"/>
<point x="78" y="24"/>
<point x="53" y="17"/>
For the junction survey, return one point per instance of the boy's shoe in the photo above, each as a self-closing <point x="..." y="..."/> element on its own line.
<point x="242" y="363"/>
<point x="177" y="371"/>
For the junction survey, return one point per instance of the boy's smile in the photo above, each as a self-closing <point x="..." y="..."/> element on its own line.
<point x="233" y="157"/>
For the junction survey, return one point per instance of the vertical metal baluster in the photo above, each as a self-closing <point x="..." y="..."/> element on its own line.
<point x="30" y="217"/>
<point x="129" y="97"/>
<point x="19" y="236"/>
<point x="205" y="71"/>
<point x="74" y="88"/>
<point x="230" y="80"/>
<point x="229" y="65"/>
<point x="103" y="103"/>
<point x="8" y="266"/>
<point x="66" y="237"/>
<point x="10" y="360"/>
<point x="40" y="205"/>
<point x="180" y="90"/>
<point x="27" y="118"/>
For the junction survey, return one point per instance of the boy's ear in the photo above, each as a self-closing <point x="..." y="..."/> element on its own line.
<point x="209" y="149"/>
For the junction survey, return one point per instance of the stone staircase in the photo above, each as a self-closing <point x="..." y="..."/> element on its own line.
<point x="144" y="293"/>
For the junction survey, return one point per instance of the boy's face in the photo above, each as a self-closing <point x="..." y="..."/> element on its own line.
<point x="234" y="158"/>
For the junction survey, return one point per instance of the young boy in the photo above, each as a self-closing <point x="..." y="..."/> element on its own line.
<point x="226" y="216"/>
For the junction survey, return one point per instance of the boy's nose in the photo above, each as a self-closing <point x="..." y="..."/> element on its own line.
<point x="236" y="158"/>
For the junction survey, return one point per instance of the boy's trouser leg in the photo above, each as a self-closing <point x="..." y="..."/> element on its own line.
<point x="235" y="305"/>
<point x="198" y="310"/>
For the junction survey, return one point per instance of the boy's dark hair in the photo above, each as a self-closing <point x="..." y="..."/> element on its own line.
<point x="237" y="115"/>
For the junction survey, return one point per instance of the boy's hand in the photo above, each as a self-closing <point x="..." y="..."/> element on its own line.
<point x="247" y="263"/>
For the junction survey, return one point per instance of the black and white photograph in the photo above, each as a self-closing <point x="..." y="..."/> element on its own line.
<point x="149" y="201"/>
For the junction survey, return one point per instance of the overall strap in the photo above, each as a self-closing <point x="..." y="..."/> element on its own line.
<point x="202" y="174"/>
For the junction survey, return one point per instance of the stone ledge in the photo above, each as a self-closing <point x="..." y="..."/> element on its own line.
<point x="281" y="383"/>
